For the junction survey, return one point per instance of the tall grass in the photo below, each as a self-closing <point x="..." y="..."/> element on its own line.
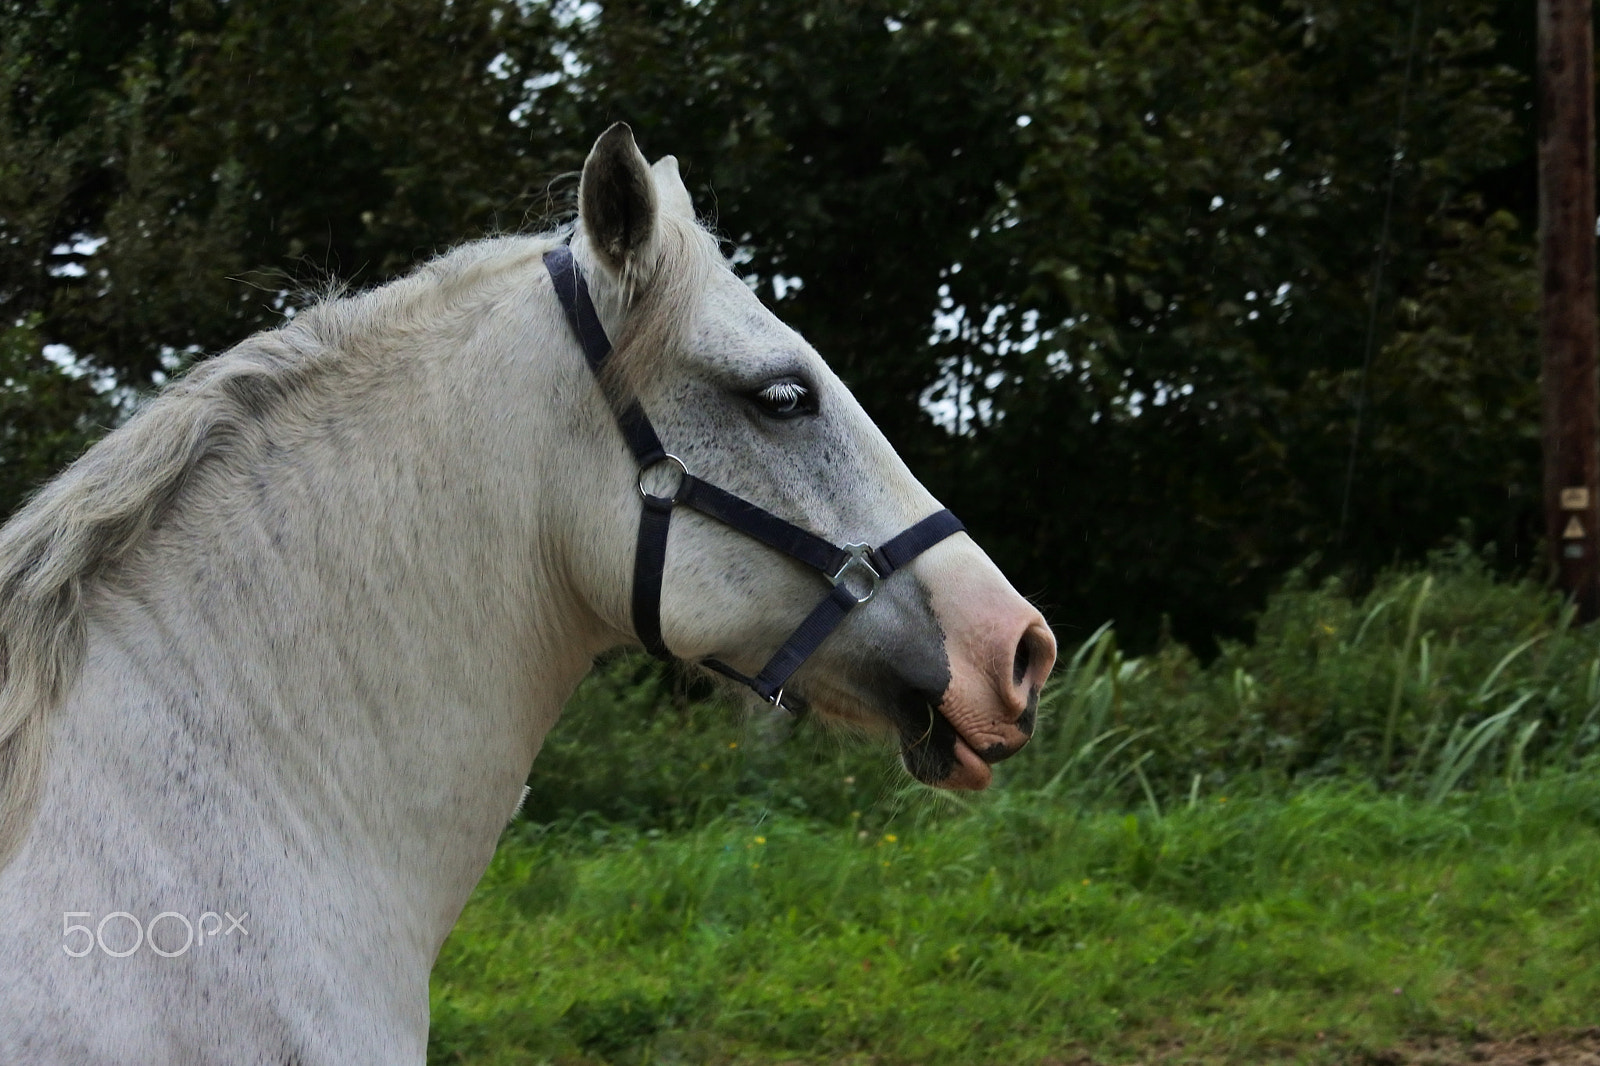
<point x="1430" y="682"/>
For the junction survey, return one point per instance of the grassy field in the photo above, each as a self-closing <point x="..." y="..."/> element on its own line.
<point x="1300" y="929"/>
<point x="1193" y="866"/>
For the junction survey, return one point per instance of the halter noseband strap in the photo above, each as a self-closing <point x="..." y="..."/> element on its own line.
<point x="854" y="570"/>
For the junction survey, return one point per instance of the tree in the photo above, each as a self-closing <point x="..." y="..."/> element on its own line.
<point x="177" y="170"/>
<point x="1201" y="238"/>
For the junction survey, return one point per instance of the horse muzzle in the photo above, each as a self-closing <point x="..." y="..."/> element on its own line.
<point x="1000" y="652"/>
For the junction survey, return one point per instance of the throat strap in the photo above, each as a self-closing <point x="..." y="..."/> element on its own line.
<point x="854" y="570"/>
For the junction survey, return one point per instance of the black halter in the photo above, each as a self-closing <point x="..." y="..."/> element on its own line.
<point x="854" y="570"/>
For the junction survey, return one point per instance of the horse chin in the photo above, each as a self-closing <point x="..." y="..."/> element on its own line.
<point x="931" y="749"/>
<point x="938" y="755"/>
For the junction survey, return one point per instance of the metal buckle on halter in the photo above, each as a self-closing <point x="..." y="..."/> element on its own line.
<point x="858" y="560"/>
<point x="797" y="709"/>
<point x="677" y="493"/>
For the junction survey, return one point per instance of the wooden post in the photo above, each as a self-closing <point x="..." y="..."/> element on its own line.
<point x="1569" y="392"/>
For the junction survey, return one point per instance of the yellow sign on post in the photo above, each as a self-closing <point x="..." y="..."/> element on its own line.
<point x="1575" y="499"/>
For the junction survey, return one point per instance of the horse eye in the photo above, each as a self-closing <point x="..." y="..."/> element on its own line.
<point x="785" y="399"/>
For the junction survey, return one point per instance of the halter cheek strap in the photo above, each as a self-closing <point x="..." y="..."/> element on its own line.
<point x="854" y="570"/>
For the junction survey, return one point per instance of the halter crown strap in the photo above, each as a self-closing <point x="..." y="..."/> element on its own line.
<point x="575" y="301"/>
<point x="867" y="566"/>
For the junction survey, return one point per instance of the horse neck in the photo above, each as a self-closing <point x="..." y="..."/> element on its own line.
<point x="370" y="626"/>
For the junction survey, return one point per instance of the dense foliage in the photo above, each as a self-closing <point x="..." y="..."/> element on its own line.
<point x="1102" y="269"/>
<point x="1432" y="680"/>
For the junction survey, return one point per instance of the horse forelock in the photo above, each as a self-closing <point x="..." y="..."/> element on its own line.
<point x="662" y="303"/>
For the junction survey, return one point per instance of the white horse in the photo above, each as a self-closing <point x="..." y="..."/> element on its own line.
<point x="278" y="653"/>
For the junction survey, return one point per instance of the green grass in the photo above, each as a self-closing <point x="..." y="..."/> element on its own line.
<point x="1304" y="928"/>
<point x="1379" y="821"/>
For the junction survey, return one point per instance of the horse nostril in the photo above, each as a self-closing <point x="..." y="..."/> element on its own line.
<point x="1023" y="659"/>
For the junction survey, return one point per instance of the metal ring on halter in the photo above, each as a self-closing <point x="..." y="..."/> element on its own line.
<point x="683" y="479"/>
<point x="858" y="561"/>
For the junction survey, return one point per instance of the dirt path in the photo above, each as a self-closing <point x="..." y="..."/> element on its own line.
<point x="1572" y="1049"/>
<point x="1580" y="1048"/>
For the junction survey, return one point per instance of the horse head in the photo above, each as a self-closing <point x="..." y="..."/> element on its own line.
<point x="943" y="652"/>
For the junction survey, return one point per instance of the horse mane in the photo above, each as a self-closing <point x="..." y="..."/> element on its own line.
<point x="83" y="523"/>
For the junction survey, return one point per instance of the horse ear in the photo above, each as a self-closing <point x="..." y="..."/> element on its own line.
<point x="670" y="188"/>
<point x="617" y="201"/>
